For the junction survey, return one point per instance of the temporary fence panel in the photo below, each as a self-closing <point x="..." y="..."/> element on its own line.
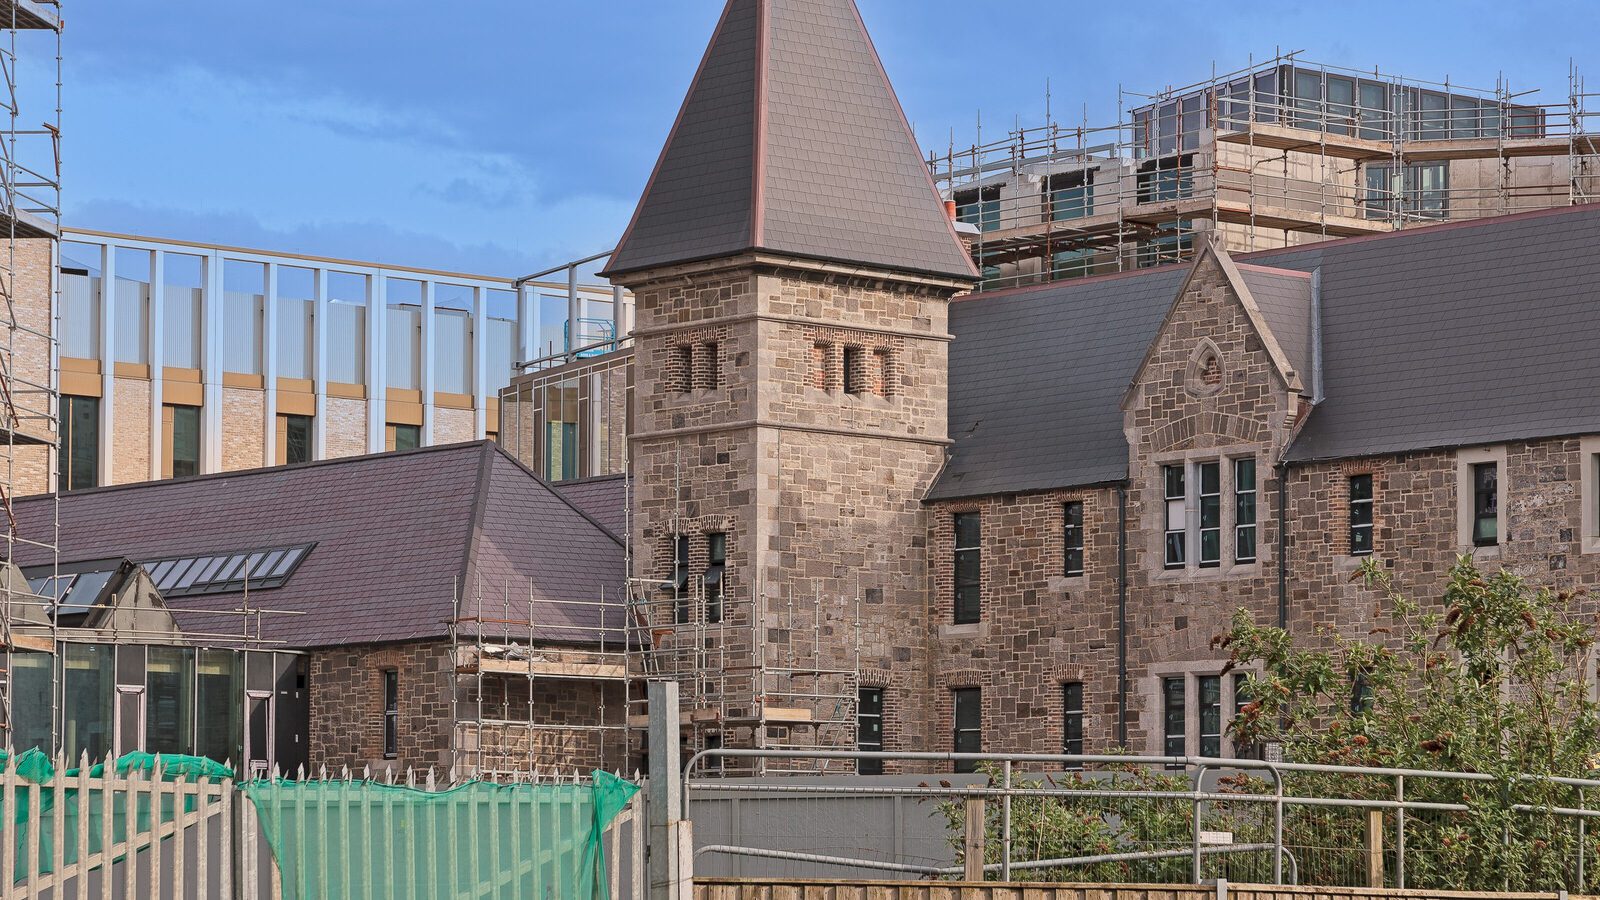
<point x="59" y="825"/>
<point x="362" y="839"/>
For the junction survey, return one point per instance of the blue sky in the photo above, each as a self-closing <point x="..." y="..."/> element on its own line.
<point x="519" y="134"/>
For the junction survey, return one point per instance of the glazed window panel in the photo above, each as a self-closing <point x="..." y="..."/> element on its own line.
<point x="1174" y="717"/>
<point x="967" y="704"/>
<point x="968" y="567"/>
<point x="1244" y="510"/>
<point x="869" y="729"/>
<point x="1360" y="514"/>
<point x="1210" y="478"/>
<point x="1209" y="690"/>
<point x="1177" y="536"/>
<point x="1072" y="718"/>
<point x="1072" y="537"/>
<point x="1486" y="504"/>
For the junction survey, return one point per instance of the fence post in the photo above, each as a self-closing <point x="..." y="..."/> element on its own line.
<point x="671" y="862"/>
<point x="1375" y="848"/>
<point x="1400" y="832"/>
<point x="972" y="853"/>
<point x="1005" y="823"/>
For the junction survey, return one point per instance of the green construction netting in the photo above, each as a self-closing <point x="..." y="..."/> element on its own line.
<point x="361" y="839"/>
<point x="33" y="766"/>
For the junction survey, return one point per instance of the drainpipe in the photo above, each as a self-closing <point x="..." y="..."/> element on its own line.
<point x="1283" y="546"/>
<point x="1122" y="616"/>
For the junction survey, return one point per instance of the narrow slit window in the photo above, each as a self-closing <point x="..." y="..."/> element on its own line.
<point x="391" y="713"/>
<point x="1360" y="515"/>
<point x="855" y="375"/>
<point x="1072" y="537"/>
<point x="1486" y="504"/>
<point x="968" y="567"/>
<point x="680" y="579"/>
<point x="1174" y="715"/>
<point x="713" y="369"/>
<point x="869" y="729"/>
<point x="1244" y="510"/>
<point x="716" y="565"/>
<point x="1176" y="512"/>
<point x="1072" y="719"/>
<point x="967" y="706"/>
<point x="683" y="374"/>
<point x="1210" y="514"/>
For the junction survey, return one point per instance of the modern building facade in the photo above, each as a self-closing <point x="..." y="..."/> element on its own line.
<point x="204" y="358"/>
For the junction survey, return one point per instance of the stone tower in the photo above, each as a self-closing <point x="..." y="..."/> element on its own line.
<point x="791" y="264"/>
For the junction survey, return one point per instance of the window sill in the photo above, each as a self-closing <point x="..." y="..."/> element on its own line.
<point x="1210" y="573"/>
<point x="964" y="630"/>
<point x="1590" y="544"/>
<point x="1492" y="551"/>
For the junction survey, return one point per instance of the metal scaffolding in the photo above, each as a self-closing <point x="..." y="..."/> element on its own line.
<point x="30" y="215"/>
<point x="1279" y="153"/>
<point x="761" y="674"/>
<point x="537" y="682"/>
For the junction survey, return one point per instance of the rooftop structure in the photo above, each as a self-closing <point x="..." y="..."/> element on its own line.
<point x="1279" y="153"/>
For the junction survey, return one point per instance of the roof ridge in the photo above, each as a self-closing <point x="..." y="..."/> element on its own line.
<point x="556" y="492"/>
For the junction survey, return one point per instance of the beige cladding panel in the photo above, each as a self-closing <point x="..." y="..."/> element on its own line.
<point x="130" y="441"/>
<point x="243" y="428"/>
<point x="346" y="427"/>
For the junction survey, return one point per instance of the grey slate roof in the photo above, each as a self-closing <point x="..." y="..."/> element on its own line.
<point x="1452" y="335"/>
<point x="1284" y="299"/>
<point x="605" y="499"/>
<point x="1037" y="377"/>
<point x="791" y="140"/>
<point x="393" y="532"/>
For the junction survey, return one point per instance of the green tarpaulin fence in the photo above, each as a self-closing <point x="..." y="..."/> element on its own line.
<point x="33" y="766"/>
<point x="362" y="839"/>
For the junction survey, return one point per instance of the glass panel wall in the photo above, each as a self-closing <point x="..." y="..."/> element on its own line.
<point x="244" y="287"/>
<point x="219" y="705"/>
<point x="452" y="339"/>
<point x="31" y="683"/>
<point x="131" y="320"/>
<point x="169" y="701"/>
<point x="87" y="694"/>
<point x="297" y="313"/>
<point x="347" y="325"/>
<point x="182" y="278"/>
<point x="403" y="334"/>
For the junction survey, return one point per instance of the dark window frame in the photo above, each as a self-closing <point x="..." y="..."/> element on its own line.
<point x="391" y="713"/>
<point x="869" y="711"/>
<point x="78" y="455"/>
<point x="1208" y="701"/>
<point x="186" y="418"/>
<point x="1072" y="538"/>
<point x="968" y="585"/>
<point x="966" y="730"/>
<point x="1072" y="720"/>
<point x="1361" y="514"/>
<point x="680" y="579"/>
<point x="1209" y="504"/>
<point x="1174" y="716"/>
<point x="716" y="571"/>
<point x="1174" y="481"/>
<point x="1485" y="504"/>
<point x="1245" y="546"/>
<point x="293" y="423"/>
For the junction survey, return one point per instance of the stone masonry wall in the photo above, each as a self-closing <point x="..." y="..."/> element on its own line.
<point x="346" y="686"/>
<point x="817" y="489"/>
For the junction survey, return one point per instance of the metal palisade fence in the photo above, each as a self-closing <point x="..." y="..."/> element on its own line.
<point x="151" y="827"/>
<point x="1140" y="819"/>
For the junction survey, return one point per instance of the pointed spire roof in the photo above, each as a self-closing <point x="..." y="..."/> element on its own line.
<point x="791" y="140"/>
